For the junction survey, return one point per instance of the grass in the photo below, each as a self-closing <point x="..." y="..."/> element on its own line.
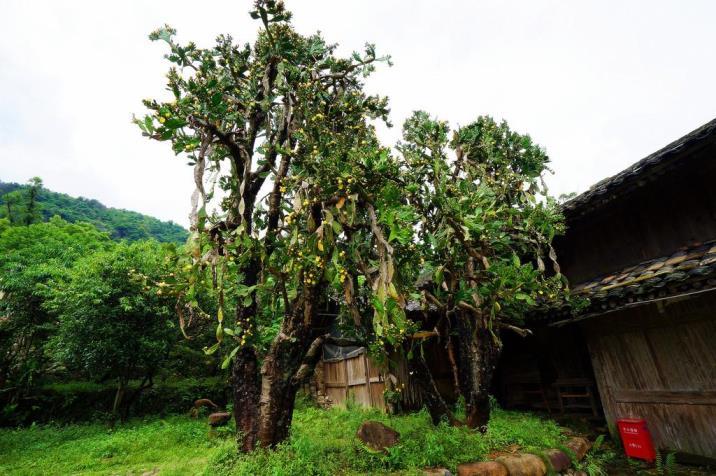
<point x="322" y="443"/>
<point x="174" y="446"/>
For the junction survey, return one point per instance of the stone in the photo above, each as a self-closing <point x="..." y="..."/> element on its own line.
<point x="579" y="445"/>
<point x="484" y="468"/>
<point x="558" y="459"/>
<point x="524" y="465"/>
<point x="377" y="436"/>
<point x="219" y="419"/>
<point x="436" y="472"/>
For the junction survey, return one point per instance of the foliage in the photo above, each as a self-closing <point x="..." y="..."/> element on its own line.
<point x="665" y="465"/>
<point x="20" y="206"/>
<point x="486" y="223"/>
<point x="597" y="459"/>
<point x="120" y="224"/>
<point x="32" y="257"/>
<point x="288" y="116"/>
<point x="111" y="324"/>
<point x="322" y="443"/>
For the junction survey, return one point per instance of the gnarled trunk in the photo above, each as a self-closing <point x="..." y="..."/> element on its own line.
<point x="434" y="402"/>
<point x="476" y="354"/>
<point x="264" y="399"/>
<point x="478" y="351"/>
<point x="246" y="389"/>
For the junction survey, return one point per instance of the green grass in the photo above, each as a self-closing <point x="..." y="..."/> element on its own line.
<point x="322" y="443"/>
<point x="175" y="445"/>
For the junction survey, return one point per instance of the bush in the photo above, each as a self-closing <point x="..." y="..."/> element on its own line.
<point x="85" y="401"/>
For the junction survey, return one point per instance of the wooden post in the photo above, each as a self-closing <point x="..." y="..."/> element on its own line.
<point x="367" y="380"/>
<point x="345" y="367"/>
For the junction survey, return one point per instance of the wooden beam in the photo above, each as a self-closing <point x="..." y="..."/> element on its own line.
<point x="683" y="397"/>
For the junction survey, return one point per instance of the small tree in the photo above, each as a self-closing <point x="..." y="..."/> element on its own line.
<point x="111" y="323"/>
<point x="282" y="126"/>
<point x="484" y="235"/>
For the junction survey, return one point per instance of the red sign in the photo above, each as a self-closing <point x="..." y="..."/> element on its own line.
<point x="636" y="439"/>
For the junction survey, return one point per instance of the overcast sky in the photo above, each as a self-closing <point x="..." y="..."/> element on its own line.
<point x="599" y="84"/>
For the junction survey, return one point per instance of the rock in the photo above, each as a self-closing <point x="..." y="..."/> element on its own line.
<point x="558" y="459"/>
<point x="484" y="468"/>
<point x="524" y="465"/>
<point x="377" y="436"/>
<point x="436" y="472"/>
<point x="219" y="419"/>
<point x="579" y="445"/>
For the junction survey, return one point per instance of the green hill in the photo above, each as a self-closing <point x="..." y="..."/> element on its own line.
<point x="120" y="224"/>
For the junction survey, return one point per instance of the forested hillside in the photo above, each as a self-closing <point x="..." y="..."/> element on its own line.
<point x="120" y="224"/>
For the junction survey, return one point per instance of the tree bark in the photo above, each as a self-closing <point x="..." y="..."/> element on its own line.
<point x="478" y="351"/>
<point x="246" y="389"/>
<point x="279" y="384"/>
<point x="264" y="400"/>
<point x="437" y="407"/>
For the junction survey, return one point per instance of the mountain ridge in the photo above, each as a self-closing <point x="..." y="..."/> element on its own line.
<point x="119" y="223"/>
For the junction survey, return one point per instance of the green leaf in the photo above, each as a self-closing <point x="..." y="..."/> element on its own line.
<point x="212" y="349"/>
<point x="227" y="360"/>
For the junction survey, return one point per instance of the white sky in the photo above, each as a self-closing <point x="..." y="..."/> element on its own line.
<point x="600" y="84"/>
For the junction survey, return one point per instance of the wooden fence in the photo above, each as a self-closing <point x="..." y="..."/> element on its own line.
<point x="355" y="378"/>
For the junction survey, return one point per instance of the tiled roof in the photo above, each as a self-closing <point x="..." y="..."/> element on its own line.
<point x="635" y="175"/>
<point x="690" y="269"/>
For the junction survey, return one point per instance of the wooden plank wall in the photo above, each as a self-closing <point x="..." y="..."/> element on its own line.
<point x="355" y="378"/>
<point x="658" y="362"/>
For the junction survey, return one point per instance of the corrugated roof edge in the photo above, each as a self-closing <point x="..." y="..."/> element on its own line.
<point x="585" y="201"/>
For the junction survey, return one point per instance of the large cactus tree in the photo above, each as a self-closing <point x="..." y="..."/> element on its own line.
<point x="484" y="243"/>
<point x="279" y="134"/>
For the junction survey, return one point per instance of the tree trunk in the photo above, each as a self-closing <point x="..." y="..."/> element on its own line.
<point x="146" y="383"/>
<point x="246" y="389"/>
<point x="264" y="401"/>
<point x="118" y="397"/>
<point x="478" y="351"/>
<point x="434" y="402"/>
<point x="279" y="382"/>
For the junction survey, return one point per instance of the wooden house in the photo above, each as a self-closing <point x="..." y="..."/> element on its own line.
<point x="641" y="245"/>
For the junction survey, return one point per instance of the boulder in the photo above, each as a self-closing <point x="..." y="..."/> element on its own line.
<point x="219" y="419"/>
<point x="524" y="465"/>
<point x="579" y="446"/>
<point x="377" y="436"/>
<point x="558" y="459"/>
<point x="483" y="468"/>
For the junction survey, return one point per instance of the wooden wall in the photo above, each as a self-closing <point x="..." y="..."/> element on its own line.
<point x="355" y="378"/>
<point x="658" y="362"/>
<point x="360" y="379"/>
